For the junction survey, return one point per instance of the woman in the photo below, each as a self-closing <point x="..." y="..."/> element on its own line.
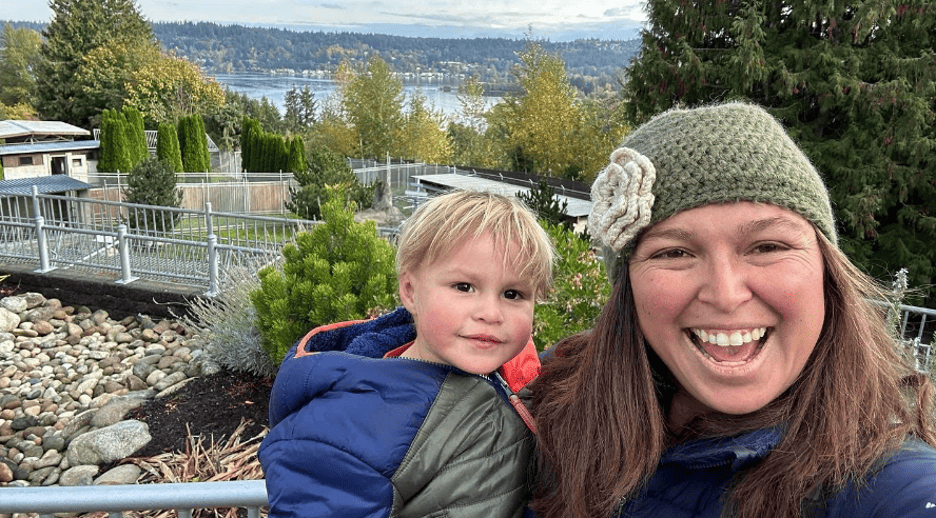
<point x="737" y="369"/>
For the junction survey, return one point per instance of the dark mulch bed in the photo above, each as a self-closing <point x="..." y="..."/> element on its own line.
<point x="208" y="406"/>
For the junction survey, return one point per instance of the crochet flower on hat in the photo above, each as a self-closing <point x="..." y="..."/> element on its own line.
<point x="622" y="198"/>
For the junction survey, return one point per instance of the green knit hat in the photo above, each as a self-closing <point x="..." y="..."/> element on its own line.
<point x="683" y="159"/>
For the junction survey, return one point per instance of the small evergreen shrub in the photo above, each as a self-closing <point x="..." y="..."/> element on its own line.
<point x="341" y="270"/>
<point x="542" y="200"/>
<point x="325" y="168"/>
<point x="579" y="291"/>
<point x="153" y="182"/>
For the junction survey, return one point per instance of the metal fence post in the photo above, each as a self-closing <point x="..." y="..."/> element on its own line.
<point x="212" y="253"/>
<point x="123" y="244"/>
<point x="40" y="233"/>
<point x="212" y="266"/>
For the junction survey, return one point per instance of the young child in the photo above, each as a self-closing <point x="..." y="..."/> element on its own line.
<point x="407" y="415"/>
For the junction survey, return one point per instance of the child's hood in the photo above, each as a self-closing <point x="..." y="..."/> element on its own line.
<point x="375" y="338"/>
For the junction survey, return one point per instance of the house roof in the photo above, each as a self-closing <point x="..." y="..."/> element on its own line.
<point x="45" y="185"/>
<point x="49" y="147"/>
<point x="17" y="128"/>
<point x="576" y="208"/>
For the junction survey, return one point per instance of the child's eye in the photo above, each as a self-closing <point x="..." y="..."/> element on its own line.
<point x="464" y="286"/>
<point x="513" y="295"/>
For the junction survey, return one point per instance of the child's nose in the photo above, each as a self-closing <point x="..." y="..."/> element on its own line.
<point x="489" y="310"/>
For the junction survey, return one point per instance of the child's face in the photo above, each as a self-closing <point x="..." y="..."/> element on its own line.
<point x="469" y="310"/>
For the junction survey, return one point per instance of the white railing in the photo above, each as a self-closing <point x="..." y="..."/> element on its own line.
<point x="115" y="499"/>
<point x="130" y="241"/>
<point x="917" y="328"/>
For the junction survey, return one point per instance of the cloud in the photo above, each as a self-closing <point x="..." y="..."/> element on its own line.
<point x="631" y="12"/>
<point x="332" y="6"/>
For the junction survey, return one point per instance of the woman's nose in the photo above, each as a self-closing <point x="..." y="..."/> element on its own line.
<point x="725" y="286"/>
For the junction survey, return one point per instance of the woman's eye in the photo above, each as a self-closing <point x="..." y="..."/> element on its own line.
<point x="675" y="253"/>
<point x="766" y="248"/>
<point x="464" y="286"/>
<point x="513" y="295"/>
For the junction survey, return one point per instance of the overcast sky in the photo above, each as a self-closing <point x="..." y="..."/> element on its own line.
<point x="547" y="18"/>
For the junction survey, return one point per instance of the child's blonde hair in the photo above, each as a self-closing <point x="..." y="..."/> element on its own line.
<point x="443" y="223"/>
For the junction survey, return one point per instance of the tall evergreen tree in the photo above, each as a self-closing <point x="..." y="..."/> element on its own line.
<point x="855" y="84"/>
<point x="114" y="148"/>
<point x="296" y="161"/>
<point x="167" y="146"/>
<point x="193" y="144"/>
<point x="136" y="135"/>
<point x="77" y="28"/>
<point x="201" y="141"/>
<point x="300" y="108"/>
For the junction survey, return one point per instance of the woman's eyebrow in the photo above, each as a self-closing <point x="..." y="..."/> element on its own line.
<point x="674" y="233"/>
<point x="766" y="223"/>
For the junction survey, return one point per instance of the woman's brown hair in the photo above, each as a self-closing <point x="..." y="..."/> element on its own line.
<point x="601" y="402"/>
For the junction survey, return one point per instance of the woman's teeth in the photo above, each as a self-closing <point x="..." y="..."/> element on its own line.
<point x="735" y="338"/>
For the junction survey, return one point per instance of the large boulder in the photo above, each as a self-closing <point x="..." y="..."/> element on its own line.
<point x="108" y="444"/>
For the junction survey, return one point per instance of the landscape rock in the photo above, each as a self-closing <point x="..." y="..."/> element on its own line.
<point x="8" y="320"/>
<point x="123" y="474"/>
<point x="79" y="475"/>
<point x="114" y="411"/>
<point x="113" y="443"/>
<point x="69" y="378"/>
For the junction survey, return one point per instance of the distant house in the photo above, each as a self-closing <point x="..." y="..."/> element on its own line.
<point x="41" y="149"/>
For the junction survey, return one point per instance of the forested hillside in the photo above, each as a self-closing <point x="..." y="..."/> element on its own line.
<point x="223" y="49"/>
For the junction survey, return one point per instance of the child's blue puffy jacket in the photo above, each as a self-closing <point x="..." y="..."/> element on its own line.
<point x="354" y="434"/>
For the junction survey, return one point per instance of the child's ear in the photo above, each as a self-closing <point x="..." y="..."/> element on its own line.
<point x="407" y="291"/>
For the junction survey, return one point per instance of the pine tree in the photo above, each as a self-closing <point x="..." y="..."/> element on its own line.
<point x="853" y="83"/>
<point x="77" y="29"/>
<point x="281" y="154"/>
<point x="167" y="146"/>
<point x="153" y="182"/>
<point x="543" y="201"/>
<point x="325" y="169"/>
<point x="341" y="270"/>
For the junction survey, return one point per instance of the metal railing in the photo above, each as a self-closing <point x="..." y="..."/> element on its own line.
<point x="917" y="329"/>
<point x="130" y="241"/>
<point x="115" y="499"/>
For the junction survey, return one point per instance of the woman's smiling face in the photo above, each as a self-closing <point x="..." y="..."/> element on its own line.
<point x="730" y="297"/>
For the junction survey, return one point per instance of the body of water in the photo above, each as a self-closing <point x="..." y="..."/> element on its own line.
<point x="442" y="97"/>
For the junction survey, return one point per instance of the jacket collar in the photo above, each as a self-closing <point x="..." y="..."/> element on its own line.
<point x="390" y="334"/>
<point x="739" y="450"/>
